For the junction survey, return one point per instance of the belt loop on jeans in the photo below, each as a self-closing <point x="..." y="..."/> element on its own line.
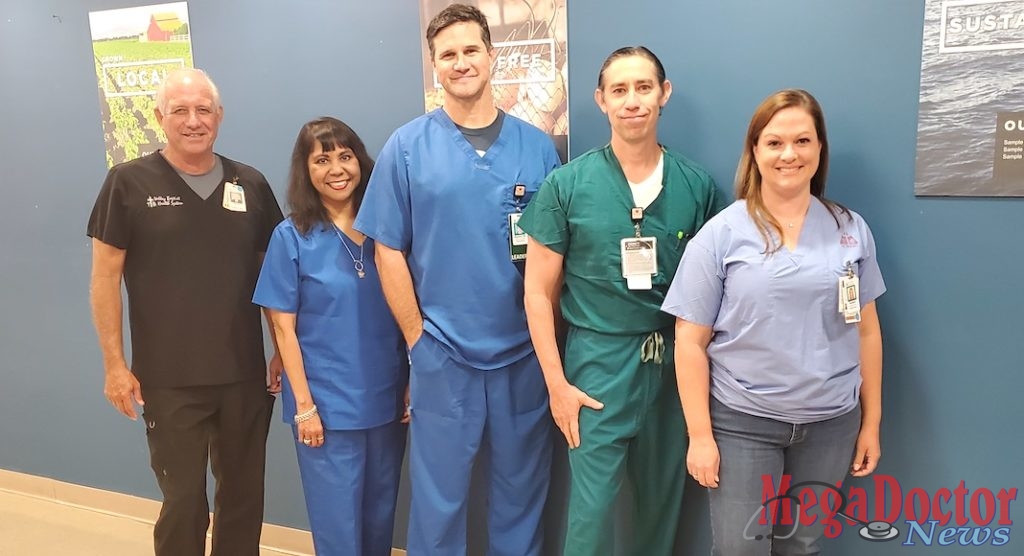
<point x="653" y="348"/>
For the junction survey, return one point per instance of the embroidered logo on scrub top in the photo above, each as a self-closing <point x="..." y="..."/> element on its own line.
<point x="847" y="240"/>
<point x="161" y="201"/>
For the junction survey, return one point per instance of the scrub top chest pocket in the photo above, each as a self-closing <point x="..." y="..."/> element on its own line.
<point x="673" y="244"/>
<point x="672" y="239"/>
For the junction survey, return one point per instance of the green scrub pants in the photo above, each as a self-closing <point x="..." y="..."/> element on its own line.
<point x="640" y="432"/>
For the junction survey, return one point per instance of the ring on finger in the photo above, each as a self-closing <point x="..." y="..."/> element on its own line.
<point x="307" y="441"/>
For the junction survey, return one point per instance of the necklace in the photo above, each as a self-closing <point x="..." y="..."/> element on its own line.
<point x="356" y="263"/>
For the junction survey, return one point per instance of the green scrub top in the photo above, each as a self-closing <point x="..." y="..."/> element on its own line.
<point x="582" y="211"/>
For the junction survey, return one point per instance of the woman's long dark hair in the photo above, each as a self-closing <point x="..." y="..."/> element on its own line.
<point x="303" y="199"/>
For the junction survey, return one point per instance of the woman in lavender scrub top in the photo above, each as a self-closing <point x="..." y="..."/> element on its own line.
<point x="780" y="376"/>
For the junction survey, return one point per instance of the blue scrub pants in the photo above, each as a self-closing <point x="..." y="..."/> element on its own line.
<point x="351" y="485"/>
<point x="456" y="411"/>
<point x="751" y="447"/>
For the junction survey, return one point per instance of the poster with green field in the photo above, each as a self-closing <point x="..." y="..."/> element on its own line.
<point x="134" y="49"/>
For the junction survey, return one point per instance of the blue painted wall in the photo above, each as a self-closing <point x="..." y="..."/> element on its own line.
<point x="951" y="317"/>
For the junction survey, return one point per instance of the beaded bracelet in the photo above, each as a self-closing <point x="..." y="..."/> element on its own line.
<point x="305" y="415"/>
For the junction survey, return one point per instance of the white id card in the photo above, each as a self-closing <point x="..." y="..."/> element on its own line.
<point x="849" y="298"/>
<point x="234" y="197"/>
<point x="639" y="261"/>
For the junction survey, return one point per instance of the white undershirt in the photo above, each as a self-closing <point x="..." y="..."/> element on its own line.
<point x="645" y="192"/>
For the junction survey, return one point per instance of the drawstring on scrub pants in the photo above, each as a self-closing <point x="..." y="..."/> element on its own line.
<point x="653" y="348"/>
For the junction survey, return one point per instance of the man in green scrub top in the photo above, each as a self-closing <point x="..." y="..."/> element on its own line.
<point x="611" y="226"/>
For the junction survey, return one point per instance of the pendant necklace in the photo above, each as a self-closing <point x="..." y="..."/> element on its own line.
<point x="356" y="263"/>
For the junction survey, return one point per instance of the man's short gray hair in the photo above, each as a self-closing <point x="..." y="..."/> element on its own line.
<point x="179" y="75"/>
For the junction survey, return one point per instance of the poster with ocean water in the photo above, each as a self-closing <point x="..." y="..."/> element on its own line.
<point x="970" y="130"/>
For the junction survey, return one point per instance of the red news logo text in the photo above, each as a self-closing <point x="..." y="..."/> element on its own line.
<point x="945" y="517"/>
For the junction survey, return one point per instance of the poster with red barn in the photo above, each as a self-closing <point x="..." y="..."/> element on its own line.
<point x="134" y="49"/>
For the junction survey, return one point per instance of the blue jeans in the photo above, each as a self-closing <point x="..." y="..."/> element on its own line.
<point x="756" y="453"/>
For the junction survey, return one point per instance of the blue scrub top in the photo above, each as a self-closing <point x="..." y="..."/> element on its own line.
<point x="352" y="349"/>
<point x="433" y="197"/>
<point x="780" y="348"/>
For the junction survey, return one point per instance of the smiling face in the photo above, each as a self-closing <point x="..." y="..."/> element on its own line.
<point x="190" y="117"/>
<point x="632" y="96"/>
<point x="788" y="152"/>
<point x="462" y="61"/>
<point x="335" y="174"/>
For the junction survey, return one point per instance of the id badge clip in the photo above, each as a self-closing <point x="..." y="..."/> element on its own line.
<point x="234" y="197"/>
<point x="517" y="238"/>
<point x="639" y="261"/>
<point x="849" y="296"/>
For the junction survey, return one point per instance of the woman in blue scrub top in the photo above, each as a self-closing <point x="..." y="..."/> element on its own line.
<point x="780" y="376"/>
<point x="345" y="362"/>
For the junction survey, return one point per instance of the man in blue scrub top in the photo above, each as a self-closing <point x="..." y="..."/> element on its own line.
<point x="438" y="206"/>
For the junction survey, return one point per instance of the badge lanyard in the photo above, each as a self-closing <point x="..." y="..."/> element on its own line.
<point x="639" y="255"/>
<point x="849" y="295"/>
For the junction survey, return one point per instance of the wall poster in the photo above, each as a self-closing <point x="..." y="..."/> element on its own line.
<point x="134" y="49"/>
<point x="970" y="130"/>
<point x="530" y="74"/>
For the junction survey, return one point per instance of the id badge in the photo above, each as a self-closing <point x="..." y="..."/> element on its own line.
<point x="234" y="197"/>
<point x="849" y="298"/>
<point x="639" y="261"/>
<point x="517" y="238"/>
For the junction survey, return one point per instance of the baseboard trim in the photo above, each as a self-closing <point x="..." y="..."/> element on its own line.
<point x="288" y="540"/>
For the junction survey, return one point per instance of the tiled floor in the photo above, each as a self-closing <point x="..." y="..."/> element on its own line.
<point x="31" y="526"/>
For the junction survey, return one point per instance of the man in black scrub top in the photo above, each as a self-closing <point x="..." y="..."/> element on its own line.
<point x="187" y="229"/>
